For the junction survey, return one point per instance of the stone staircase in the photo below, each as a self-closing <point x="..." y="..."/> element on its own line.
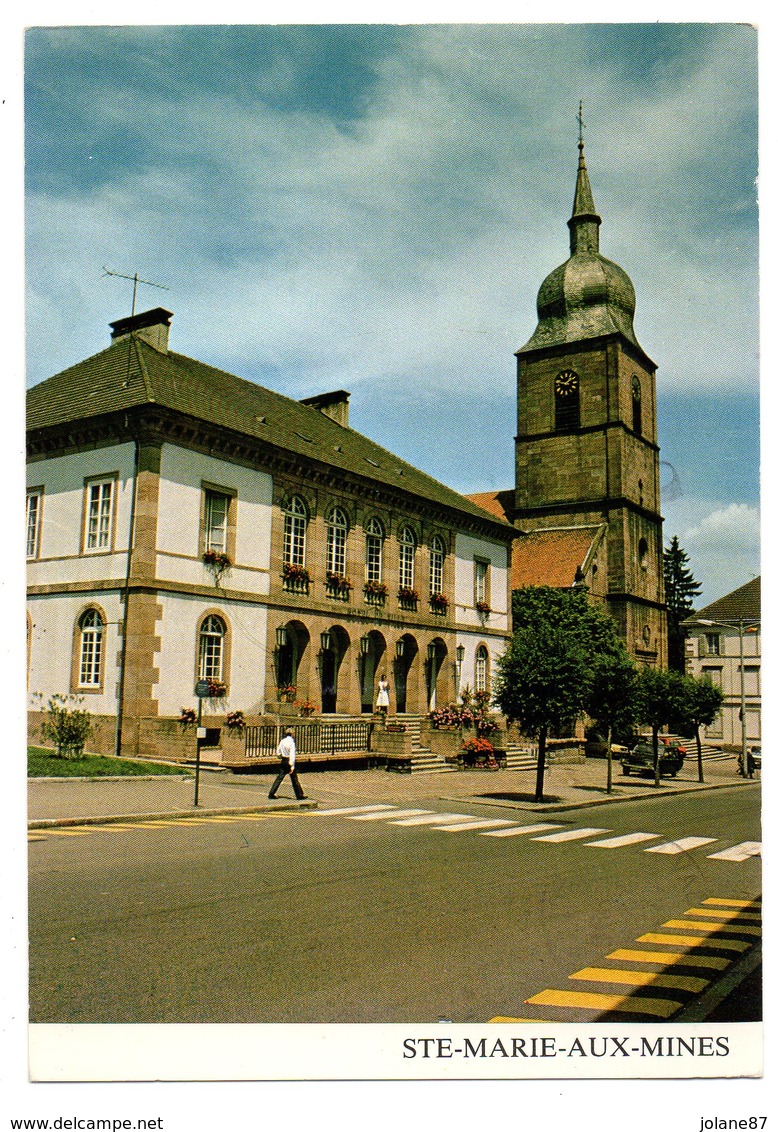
<point x="521" y="758"/>
<point x="423" y="760"/>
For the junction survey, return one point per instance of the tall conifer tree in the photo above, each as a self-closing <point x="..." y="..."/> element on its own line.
<point x="680" y="591"/>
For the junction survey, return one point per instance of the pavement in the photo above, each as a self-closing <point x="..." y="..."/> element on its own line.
<point x="567" y="786"/>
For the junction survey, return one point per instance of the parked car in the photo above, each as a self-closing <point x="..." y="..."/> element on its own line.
<point x="680" y="744"/>
<point x="641" y="759"/>
<point x="597" y="746"/>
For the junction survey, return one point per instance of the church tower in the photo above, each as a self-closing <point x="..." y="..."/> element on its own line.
<point x="586" y="444"/>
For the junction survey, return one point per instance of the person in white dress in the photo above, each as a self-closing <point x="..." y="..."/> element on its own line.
<point x="382" y="703"/>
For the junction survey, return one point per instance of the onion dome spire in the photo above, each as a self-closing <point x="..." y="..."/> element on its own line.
<point x="584" y="224"/>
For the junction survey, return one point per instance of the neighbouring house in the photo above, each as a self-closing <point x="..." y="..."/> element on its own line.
<point x="724" y="643"/>
<point x="184" y="524"/>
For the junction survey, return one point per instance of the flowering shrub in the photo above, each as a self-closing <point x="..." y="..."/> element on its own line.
<point x="439" y="601"/>
<point x="306" y="708"/>
<point x="287" y="693"/>
<point x="407" y="593"/>
<point x="217" y="563"/>
<point x="216" y="688"/>
<point x="235" y="721"/>
<point x="188" y="716"/>
<point x="479" y="752"/>
<point x="67" y="725"/>
<point x="453" y="715"/>
<point x="483" y="607"/>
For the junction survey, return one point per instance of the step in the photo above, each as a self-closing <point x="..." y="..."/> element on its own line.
<point x="517" y="758"/>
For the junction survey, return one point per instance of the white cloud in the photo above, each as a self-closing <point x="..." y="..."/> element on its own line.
<point x="723" y="548"/>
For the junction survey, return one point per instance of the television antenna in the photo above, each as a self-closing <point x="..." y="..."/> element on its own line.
<point x="135" y="280"/>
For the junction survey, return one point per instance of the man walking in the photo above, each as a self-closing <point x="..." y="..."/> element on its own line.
<point x="287" y="752"/>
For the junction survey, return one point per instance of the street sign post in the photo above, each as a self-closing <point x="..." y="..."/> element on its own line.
<point x="201" y="691"/>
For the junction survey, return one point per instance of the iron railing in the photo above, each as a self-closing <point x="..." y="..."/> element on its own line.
<point x="318" y="738"/>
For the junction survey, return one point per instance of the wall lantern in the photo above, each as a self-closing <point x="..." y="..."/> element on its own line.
<point x="399" y="648"/>
<point x="460" y="653"/>
<point x="364" y="645"/>
<point x="281" y="636"/>
<point x="326" y="640"/>
<point x="432" y="652"/>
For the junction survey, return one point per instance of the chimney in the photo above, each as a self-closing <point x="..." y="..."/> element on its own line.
<point x="332" y="405"/>
<point x="152" y="327"/>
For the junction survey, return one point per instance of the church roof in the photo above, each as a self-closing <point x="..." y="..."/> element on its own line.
<point x="587" y="296"/>
<point x="555" y="557"/>
<point x="743" y="604"/>
<point x="132" y="373"/>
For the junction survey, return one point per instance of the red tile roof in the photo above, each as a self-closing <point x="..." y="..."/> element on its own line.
<point x="551" y="557"/>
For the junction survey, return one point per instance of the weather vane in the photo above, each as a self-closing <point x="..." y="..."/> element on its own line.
<point x="135" y="281"/>
<point x="581" y="124"/>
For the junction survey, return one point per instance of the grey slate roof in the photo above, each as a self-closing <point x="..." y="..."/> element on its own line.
<point x="131" y="373"/>
<point x="743" y="603"/>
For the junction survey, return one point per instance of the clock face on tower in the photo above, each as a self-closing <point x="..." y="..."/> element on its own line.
<point x="566" y="383"/>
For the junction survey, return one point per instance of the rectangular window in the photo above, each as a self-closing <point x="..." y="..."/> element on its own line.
<point x="217" y="508"/>
<point x="99" y="515"/>
<point x="712" y="674"/>
<point x="34" y="501"/>
<point x="481" y="582"/>
<point x="373" y="565"/>
<point x="751" y="680"/>
<point x="712" y="644"/>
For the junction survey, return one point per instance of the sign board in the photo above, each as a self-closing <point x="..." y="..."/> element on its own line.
<point x="201" y="732"/>
<point x="201" y="688"/>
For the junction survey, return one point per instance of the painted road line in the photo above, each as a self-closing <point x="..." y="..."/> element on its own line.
<point x="500" y="1018"/>
<point x="740" y="852"/>
<point x="624" y="839"/>
<point x="570" y="835"/>
<point x="713" y="929"/>
<point x="382" y="816"/>
<point x="641" y="979"/>
<point x="430" y="819"/>
<point x="667" y="958"/>
<point x="695" y="941"/>
<point x="57" y="832"/>
<point x="351" y="810"/>
<point x="657" y="1007"/>
<point x="727" y="916"/>
<point x="477" y="823"/>
<point x="516" y="830"/>
<point x="755" y="903"/>
<point x="681" y="846"/>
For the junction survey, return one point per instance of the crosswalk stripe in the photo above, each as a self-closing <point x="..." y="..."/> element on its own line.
<point x="712" y="929"/>
<point x="382" y="815"/>
<point x="667" y="958"/>
<point x="477" y="823"/>
<point x="641" y="979"/>
<point x="589" y="1000"/>
<point x="570" y="835"/>
<point x="682" y="845"/>
<point x="694" y="941"/>
<point x="624" y="839"/>
<point x="351" y="810"/>
<point x="429" y="819"/>
<point x="738" y="852"/>
<point x="756" y="903"/>
<point x="728" y="916"/>
<point x="516" y="830"/>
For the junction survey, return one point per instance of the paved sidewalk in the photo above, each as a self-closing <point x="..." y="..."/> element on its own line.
<point x="567" y="786"/>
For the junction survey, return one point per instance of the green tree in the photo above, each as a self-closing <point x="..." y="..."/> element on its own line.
<point x="698" y="705"/>
<point x="659" y="695"/>
<point x="542" y="682"/>
<point x="680" y="591"/>
<point x="612" y="698"/>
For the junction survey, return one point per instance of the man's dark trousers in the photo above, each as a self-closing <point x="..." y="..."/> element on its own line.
<point x="286" y="768"/>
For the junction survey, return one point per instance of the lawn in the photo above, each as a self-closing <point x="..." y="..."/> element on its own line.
<point x="43" y="763"/>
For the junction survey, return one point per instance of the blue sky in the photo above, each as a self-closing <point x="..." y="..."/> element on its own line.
<point x="374" y="208"/>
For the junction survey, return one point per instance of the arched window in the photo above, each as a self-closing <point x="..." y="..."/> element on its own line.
<point x="407" y="557"/>
<point x="337" y="532"/>
<point x="210" y="653"/>
<point x="374" y="551"/>
<point x="437" y="554"/>
<point x="482" y="669"/>
<point x="637" y="411"/>
<point x="90" y="655"/>
<point x="567" y="402"/>
<point x="295" y="527"/>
